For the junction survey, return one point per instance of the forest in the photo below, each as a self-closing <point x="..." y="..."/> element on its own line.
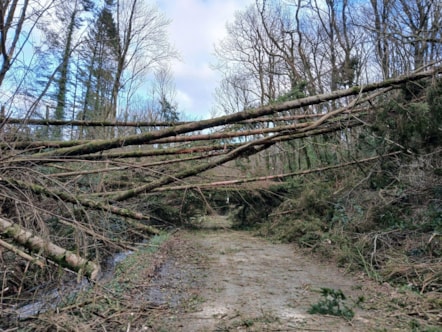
<point x="326" y="132"/>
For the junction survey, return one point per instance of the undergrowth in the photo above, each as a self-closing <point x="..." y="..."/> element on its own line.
<point x="333" y="302"/>
<point x="108" y="304"/>
<point x="385" y="221"/>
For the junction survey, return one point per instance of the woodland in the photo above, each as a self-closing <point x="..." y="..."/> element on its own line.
<point x="326" y="132"/>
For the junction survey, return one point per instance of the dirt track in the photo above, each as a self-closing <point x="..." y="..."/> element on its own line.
<point x="218" y="279"/>
<point x="245" y="283"/>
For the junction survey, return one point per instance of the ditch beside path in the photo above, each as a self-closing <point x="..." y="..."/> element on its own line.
<point x="225" y="280"/>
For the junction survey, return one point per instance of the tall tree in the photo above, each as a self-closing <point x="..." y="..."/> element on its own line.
<point x="419" y="25"/>
<point x="17" y="22"/>
<point x="165" y="92"/>
<point x="70" y="12"/>
<point x="12" y="23"/>
<point x="382" y="13"/>
<point x="100" y="55"/>
<point x="143" y="45"/>
<point x="250" y="63"/>
<point x="406" y="34"/>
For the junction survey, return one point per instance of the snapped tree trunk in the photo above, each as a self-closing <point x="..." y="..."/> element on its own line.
<point x="49" y="250"/>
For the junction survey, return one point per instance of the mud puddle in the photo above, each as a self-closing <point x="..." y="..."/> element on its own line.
<point x="54" y="297"/>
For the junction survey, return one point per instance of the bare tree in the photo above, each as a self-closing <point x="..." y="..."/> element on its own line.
<point x="419" y="24"/>
<point x="143" y="45"/>
<point x="10" y="23"/>
<point x="406" y="34"/>
<point x="17" y="21"/>
<point x="249" y="61"/>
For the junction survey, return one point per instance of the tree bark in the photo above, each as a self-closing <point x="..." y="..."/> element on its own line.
<point x="22" y="254"/>
<point x="59" y="255"/>
<point x="102" y="145"/>
<point x="67" y="197"/>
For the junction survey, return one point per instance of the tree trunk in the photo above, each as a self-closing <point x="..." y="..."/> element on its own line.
<point x="145" y="138"/>
<point x="95" y="205"/>
<point x="49" y="250"/>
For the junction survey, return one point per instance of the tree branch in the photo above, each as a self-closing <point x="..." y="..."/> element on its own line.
<point x="97" y="146"/>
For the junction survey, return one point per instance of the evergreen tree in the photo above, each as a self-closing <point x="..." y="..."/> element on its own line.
<point x="100" y="55"/>
<point x="168" y="111"/>
<point x="72" y="10"/>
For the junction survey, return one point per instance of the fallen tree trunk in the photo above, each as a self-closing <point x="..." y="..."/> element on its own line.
<point x="171" y="139"/>
<point x="81" y="123"/>
<point x="102" y="145"/>
<point x="127" y="167"/>
<point x="22" y="254"/>
<point x="22" y="145"/>
<point x="66" y="197"/>
<point x="348" y="110"/>
<point x="211" y="150"/>
<point x="242" y="151"/>
<point x="272" y="177"/>
<point x="59" y="255"/>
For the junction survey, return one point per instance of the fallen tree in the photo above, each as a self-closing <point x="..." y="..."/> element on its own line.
<point x="47" y="249"/>
<point x="92" y="204"/>
<point x="284" y="123"/>
<point x="145" y="138"/>
<point x="73" y="172"/>
<point x="271" y="177"/>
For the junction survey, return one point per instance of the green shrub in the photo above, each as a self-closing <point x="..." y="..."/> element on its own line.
<point x="332" y="303"/>
<point x="392" y="217"/>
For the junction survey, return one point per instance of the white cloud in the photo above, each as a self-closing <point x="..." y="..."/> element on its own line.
<point x="184" y="101"/>
<point x="197" y="25"/>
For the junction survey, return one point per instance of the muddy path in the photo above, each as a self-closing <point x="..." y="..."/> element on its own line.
<point x="224" y="280"/>
<point x="218" y="279"/>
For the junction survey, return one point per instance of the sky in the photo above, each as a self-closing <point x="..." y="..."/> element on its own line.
<point x="197" y="25"/>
